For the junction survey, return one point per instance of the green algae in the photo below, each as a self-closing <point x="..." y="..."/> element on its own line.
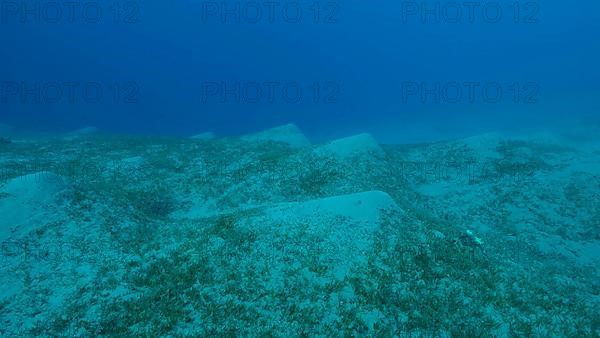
<point x="155" y="270"/>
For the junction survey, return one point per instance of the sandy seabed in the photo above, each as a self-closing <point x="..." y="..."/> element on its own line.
<point x="269" y="234"/>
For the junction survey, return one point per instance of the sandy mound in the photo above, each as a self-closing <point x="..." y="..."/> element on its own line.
<point x="485" y="145"/>
<point x="25" y="202"/>
<point x="288" y="133"/>
<point x="341" y="228"/>
<point x="83" y="132"/>
<point x="204" y="136"/>
<point x="350" y="147"/>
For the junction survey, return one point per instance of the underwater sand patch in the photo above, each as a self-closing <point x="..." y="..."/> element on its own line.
<point x="289" y="134"/>
<point x="341" y="228"/>
<point x="27" y="200"/>
<point x="351" y="146"/>
<point x="204" y="136"/>
<point x="485" y="145"/>
<point x="82" y="132"/>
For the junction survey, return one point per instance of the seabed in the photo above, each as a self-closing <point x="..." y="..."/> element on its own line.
<point x="271" y="235"/>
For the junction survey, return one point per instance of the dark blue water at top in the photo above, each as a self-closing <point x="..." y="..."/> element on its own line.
<point x="388" y="67"/>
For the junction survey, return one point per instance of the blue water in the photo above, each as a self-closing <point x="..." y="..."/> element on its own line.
<point x="405" y="168"/>
<point x="364" y="57"/>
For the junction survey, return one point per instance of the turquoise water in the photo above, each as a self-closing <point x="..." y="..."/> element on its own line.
<point x="399" y="169"/>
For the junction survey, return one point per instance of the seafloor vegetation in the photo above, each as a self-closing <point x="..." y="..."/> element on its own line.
<point x="269" y="235"/>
